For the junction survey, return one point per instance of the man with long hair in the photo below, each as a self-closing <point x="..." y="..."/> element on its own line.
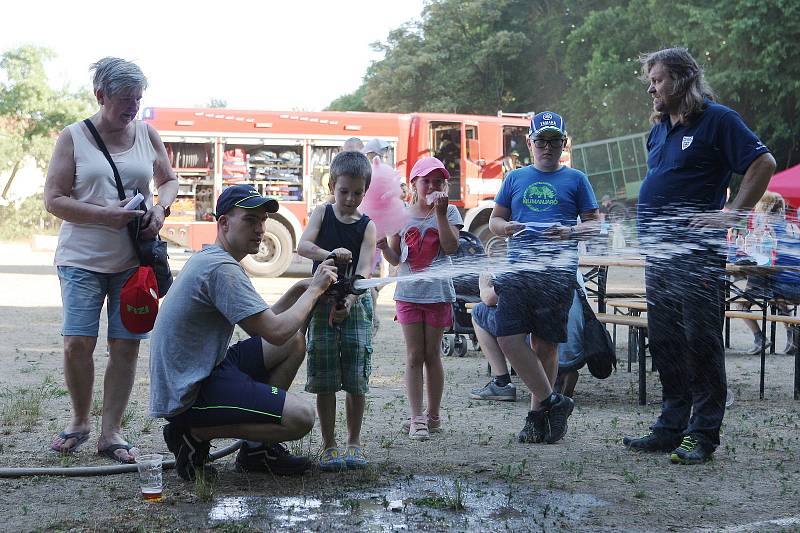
<point x="694" y="146"/>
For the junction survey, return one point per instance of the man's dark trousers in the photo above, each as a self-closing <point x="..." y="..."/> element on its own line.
<point x="685" y="317"/>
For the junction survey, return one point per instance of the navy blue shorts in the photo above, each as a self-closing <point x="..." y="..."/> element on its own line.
<point x="529" y="302"/>
<point x="236" y="392"/>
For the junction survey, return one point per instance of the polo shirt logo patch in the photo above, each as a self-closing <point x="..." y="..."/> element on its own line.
<point x="686" y="142"/>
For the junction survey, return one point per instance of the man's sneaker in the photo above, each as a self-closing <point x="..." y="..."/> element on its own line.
<point x="331" y="460"/>
<point x="191" y="455"/>
<point x="755" y="349"/>
<point x="274" y="458"/>
<point x="691" y="452"/>
<point x="652" y="442"/>
<point x="536" y="427"/>
<point x="354" y="457"/>
<point x="493" y="391"/>
<point x="558" y="411"/>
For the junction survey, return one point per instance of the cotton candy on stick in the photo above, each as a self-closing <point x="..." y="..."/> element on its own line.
<point x="382" y="202"/>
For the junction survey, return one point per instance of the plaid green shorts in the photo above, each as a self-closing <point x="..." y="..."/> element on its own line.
<point x="340" y="358"/>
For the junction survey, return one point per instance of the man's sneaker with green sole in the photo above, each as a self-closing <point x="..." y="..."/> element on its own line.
<point x="653" y="442"/>
<point x="691" y="452"/>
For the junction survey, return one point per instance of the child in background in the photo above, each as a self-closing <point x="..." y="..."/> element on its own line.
<point x="769" y="217"/>
<point x="340" y="340"/>
<point x="424" y="306"/>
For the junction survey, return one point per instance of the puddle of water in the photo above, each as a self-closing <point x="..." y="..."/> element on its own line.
<point x="421" y="501"/>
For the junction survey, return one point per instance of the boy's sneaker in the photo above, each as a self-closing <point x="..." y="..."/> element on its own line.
<point x="331" y="460"/>
<point x="493" y="391"/>
<point x="190" y="454"/>
<point x="653" y="442"/>
<point x="536" y="427"/>
<point x="354" y="457"/>
<point x="558" y="411"/>
<point x="274" y="458"/>
<point x="691" y="452"/>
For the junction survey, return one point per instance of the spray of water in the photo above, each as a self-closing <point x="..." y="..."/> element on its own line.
<point x="662" y="237"/>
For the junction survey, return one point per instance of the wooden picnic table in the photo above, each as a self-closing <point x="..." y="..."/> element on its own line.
<point x="596" y="285"/>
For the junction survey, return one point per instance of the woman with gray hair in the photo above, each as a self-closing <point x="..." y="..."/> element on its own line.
<point x="95" y="256"/>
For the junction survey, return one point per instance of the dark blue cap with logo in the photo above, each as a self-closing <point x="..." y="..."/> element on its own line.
<point x="547" y="121"/>
<point x="245" y="196"/>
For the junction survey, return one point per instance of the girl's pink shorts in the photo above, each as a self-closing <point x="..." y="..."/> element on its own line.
<point x="438" y="315"/>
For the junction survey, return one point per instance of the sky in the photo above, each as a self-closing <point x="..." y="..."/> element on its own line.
<point x="268" y="54"/>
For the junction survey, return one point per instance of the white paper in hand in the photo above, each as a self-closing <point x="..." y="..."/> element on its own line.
<point x="135" y="201"/>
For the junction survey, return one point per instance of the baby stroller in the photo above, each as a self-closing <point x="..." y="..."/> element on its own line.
<point x="454" y="341"/>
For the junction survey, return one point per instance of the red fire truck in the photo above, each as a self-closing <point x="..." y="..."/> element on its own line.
<point x="287" y="155"/>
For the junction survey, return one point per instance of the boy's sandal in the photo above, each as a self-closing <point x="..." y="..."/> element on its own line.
<point x="354" y="457"/>
<point x="419" y="428"/>
<point x="331" y="460"/>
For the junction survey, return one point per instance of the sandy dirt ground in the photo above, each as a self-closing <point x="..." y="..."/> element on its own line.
<point x="474" y="476"/>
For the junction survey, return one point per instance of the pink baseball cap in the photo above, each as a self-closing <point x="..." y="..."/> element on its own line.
<point x="426" y="165"/>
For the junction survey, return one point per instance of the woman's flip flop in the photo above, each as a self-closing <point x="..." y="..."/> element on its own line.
<point x="79" y="436"/>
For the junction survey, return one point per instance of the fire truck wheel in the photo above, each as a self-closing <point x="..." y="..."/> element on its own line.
<point x="495" y="246"/>
<point x="274" y="255"/>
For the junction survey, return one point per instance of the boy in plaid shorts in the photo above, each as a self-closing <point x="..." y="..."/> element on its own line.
<point x="340" y="338"/>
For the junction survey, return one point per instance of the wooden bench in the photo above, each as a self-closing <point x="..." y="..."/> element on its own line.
<point x="638" y="325"/>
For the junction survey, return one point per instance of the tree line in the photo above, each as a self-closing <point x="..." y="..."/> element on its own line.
<point x="580" y="58"/>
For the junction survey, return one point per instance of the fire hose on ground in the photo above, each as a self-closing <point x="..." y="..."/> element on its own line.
<point x="82" y="471"/>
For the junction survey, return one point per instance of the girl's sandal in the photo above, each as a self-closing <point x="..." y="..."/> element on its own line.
<point x="419" y="428"/>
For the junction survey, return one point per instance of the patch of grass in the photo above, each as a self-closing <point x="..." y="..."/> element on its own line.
<point x="204" y="486"/>
<point x="351" y="504"/>
<point x="630" y="477"/>
<point x="97" y="404"/>
<point x="452" y="498"/>
<point x="128" y="414"/>
<point x="147" y="425"/>
<point x="22" y="407"/>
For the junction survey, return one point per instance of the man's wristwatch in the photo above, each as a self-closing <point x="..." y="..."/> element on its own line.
<point x="572" y="232"/>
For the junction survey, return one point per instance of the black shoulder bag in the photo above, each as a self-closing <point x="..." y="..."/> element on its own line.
<point x="151" y="252"/>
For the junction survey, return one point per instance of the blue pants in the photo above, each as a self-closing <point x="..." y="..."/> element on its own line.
<point x="685" y="316"/>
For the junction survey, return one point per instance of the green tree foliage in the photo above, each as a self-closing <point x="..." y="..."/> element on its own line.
<point x="350" y="102"/>
<point x="580" y="57"/>
<point x="31" y="112"/>
<point x="19" y="222"/>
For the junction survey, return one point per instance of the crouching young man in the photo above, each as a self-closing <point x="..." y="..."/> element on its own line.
<point x="207" y="389"/>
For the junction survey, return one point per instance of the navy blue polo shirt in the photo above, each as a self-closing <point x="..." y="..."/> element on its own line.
<point x="690" y="165"/>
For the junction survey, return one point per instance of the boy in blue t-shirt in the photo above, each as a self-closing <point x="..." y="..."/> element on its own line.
<point x="537" y="208"/>
<point x="340" y="338"/>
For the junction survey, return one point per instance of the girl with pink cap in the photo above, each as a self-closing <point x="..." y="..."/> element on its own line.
<point x="424" y="305"/>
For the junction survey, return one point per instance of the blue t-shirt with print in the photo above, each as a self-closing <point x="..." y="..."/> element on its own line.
<point x="541" y="199"/>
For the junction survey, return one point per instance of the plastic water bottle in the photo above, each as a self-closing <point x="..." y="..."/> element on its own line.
<point x="769" y="247"/>
<point x="740" y="243"/>
<point x="751" y="243"/>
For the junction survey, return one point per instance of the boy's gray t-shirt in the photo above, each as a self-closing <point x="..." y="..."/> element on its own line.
<point x="425" y="290"/>
<point x="194" y="326"/>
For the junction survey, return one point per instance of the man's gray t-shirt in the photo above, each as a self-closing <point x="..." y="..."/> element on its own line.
<point x="421" y="251"/>
<point x="194" y="327"/>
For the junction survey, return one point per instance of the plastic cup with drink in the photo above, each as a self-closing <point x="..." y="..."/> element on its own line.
<point x="150" y="480"/>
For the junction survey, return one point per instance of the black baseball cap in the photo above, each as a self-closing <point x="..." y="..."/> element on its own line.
<point x="245" y="196"/>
